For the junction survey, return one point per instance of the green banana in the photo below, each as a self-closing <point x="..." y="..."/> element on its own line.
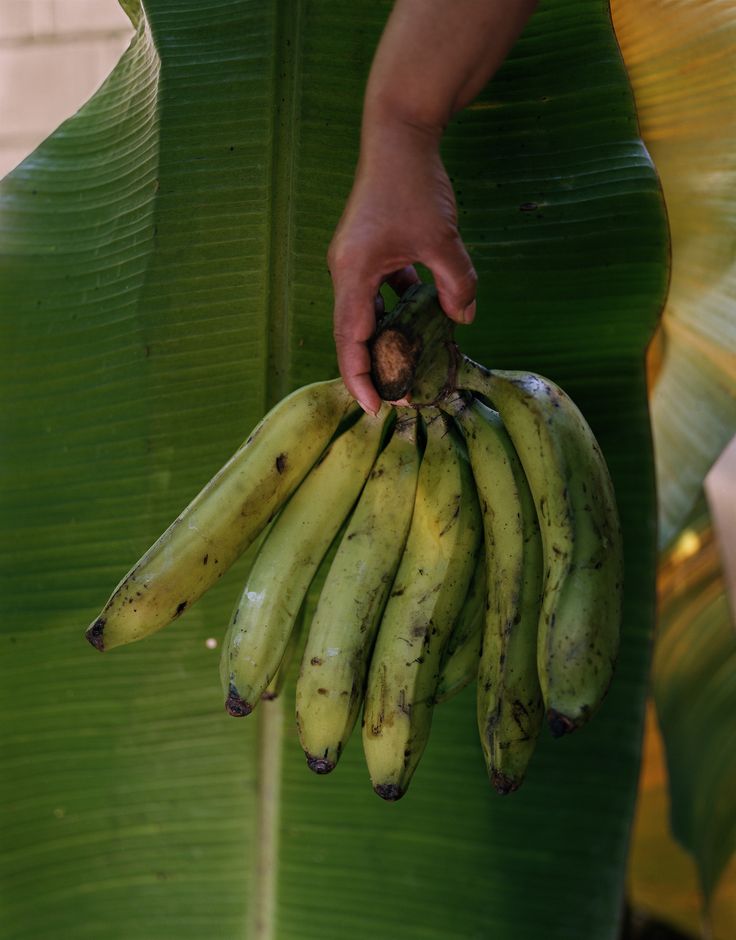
<point x="425" y="600"/>
<point x="224" y="518"/>
<point x="295" y="644"/>
<point x="583" y="557"/>
<point x="460" y="662"/>
<point x="510" y="704"/>
<point x="329" y="690"/>
<point x="289" y="557"/>
<point x="277" y="684"/>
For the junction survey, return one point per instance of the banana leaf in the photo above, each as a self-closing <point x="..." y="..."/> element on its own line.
<point x="694" y="686"/>
<point x="663" y="882"/>
<point x="689" y="771"/>
<point x="162" y="282"/>
<point x="680" y="58"/>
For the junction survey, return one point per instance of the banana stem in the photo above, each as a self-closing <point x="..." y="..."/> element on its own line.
<point x="413" y="355"/>
<point x="473" y="376"/>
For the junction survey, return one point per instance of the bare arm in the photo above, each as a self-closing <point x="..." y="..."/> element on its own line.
<point x="433" y="59"/>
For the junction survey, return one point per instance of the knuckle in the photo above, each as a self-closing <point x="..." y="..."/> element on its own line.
<point x="339" y="257"/>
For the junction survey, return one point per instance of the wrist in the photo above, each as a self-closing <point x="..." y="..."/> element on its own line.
<point x="390" y="131"/>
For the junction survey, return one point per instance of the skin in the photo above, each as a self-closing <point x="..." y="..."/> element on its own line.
<point x="402" y="209"/>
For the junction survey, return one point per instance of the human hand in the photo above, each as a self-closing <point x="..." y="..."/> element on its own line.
<point x="401" y="210"/>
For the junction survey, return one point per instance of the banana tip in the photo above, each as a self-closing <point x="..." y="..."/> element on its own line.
<point x="320" y="765"/>
<point x="95" y="633"/>
<point x="391" y="792"/>
<point x="235" y="705"/>
<point x="559" y="724"/>
<point x="504" y="784"/>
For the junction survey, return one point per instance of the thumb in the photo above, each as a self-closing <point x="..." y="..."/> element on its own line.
<point x="456" y="281"/>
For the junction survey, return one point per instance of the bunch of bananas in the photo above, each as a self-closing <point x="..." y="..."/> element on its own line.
<point x="473" y="535"/>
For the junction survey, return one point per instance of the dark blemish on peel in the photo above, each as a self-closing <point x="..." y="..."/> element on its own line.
<point x="235" y="705"/>
<point x="281" y="463"/>
<point x="390" y="792"/>
<point x="95" y="632"/>
<point x="180" y="608"/>
<point x="320" y="765"/>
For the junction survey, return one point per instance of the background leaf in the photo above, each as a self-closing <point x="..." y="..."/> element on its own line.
<point x="680" y="57"/>
<point x="680" y="60"/>
<point x="162" y="281"/>
<point x="694" y="684"/>
<point x="663" y="880"/>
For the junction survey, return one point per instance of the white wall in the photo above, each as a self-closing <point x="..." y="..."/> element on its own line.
<point x="53" y="55"/>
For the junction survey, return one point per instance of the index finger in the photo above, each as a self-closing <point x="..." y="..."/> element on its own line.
<point x="354" y="324"/>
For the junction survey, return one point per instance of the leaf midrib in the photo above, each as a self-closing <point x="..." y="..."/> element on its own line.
<point x="261" y="910"/>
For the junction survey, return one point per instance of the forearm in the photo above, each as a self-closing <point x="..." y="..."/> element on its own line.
<point x="434" y="57"/>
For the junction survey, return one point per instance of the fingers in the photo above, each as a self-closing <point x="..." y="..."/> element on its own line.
<point x="355" y="320"/>
<point x="354" y="323"/>
<point x="456" y="280"/>
<point x="401" y="280"/>
<point x="358" y="306"/>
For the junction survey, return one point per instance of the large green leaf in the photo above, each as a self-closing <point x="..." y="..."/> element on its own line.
<point x="162" y="280"/>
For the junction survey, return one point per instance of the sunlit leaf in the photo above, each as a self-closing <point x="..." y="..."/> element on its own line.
<point x="663" y="878"/>
<point x="681" y="58"/>
<point x="694" y="685"/>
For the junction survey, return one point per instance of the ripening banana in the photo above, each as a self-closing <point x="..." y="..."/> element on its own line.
<point x="277" y="684"/>
<point x="329" y="690"/>
<point x="425" y="600"/>
<point x="510" y="705"/>
<point x="289" y="557"/>
<point x="295" y="644"/>
<point x="462" y="655"/>
<point x="225" y="517"/>
<point x="583" y="556"/>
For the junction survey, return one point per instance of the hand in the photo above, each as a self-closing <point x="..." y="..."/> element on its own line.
<point x="401" y="210"/>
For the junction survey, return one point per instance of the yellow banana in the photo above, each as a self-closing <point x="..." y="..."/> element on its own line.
<point x="224" y="518"/>
<point x="329" y="690"/>
<point x="423" y="605"/>
<point x="291" y="553"/>
<point x="460" y="662"/>
<point x="583" y="556"/>
<point x="295" y="644"/>
<point x="510" y="705"/>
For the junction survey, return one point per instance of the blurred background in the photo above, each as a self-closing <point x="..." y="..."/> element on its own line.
<point x="59" y="52"/>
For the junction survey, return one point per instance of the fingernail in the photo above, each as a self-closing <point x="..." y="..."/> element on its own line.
<point x="367" y="409"/>
<point x="468" y="314"/>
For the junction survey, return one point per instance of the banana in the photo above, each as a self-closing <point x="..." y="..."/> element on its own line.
<point x="583" y="556"/>
<point x="510" y="705"/>
<point x="224" y="518"/>
<point x="281" y="574"/>
<point x="276" y="686"/>
<point x="295" y="644"/>
<point x="460" y="662"/>
<point x="425" y="600"/>
<point x="329" y="690"/>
